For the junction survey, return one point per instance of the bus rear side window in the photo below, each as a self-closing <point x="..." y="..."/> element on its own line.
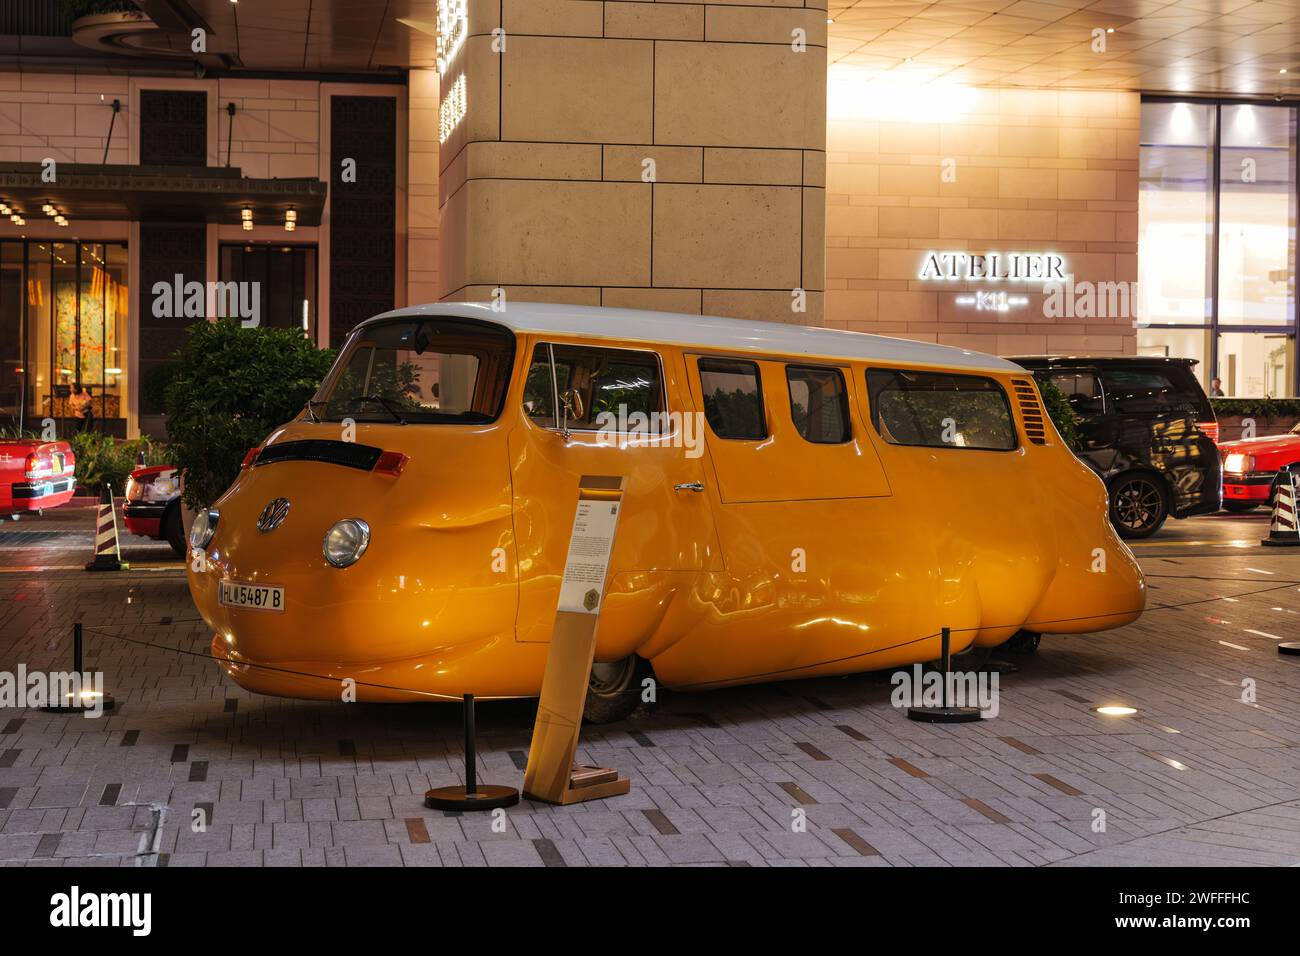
<point x="940" y="410"/>
<point x="819" y="406"/>
<point x="733" y="398"/>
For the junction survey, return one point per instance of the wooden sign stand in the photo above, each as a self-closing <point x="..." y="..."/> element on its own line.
<point x="550" y="775"/>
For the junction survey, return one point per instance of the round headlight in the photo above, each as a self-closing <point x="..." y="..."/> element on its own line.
<point x="346" y="542"/>
<point x="203" y="528"/>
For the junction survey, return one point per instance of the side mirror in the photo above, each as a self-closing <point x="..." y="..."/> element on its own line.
<point x="571" y="404"/>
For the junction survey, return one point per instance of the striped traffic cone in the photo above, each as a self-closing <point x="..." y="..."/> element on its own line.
<point x="108" y="552"/>
<point x="1283" y="531"/>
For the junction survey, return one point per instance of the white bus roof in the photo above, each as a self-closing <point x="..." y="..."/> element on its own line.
<point x="707" y="331"/>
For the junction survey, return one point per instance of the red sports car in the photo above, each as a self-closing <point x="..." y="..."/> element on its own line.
<point x="153" y="505"/>
<point x="35" y="475"/>
<point x="1250" y="468"/>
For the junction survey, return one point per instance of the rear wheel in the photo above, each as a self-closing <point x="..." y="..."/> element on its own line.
<point x="1022" y="642"/>
<point x="172" y="531"/>
<point x="1240" y="507"/>
<point x="1137" y="505"/>
<point x="614" y="690"/>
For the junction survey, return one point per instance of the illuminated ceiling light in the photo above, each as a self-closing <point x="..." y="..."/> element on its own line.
<point x="4" y="209"/>
<point x="1110" y="29"/>
<point x="248" y="225"/>
<point x="830" y="19"/>
<point x="1116" y="710"/>
<point x="290" y="219"/>
<point x="61" y="219"/>
<point x="47" y="209"/>
<point x="1283" y="70"/>
<point x="246" y="213"/>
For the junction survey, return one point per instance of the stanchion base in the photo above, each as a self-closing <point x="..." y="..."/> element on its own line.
<point x="1290" y="648"/>
<point x="485" y="797"/>
<point x="1290" y="541"/>
<point x="76" y="707"/>
<point x="943" y="715"/>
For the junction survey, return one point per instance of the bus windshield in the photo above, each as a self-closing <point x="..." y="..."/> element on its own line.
<point x="419" y="371"/>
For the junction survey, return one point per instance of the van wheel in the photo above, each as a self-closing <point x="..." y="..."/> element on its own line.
<point x="614" y="690"/>
<point x="172" y="532"/>
<point x="1240" y="507"/>
<point x="1022" y="642"/>
<point x="1137" y="506"/>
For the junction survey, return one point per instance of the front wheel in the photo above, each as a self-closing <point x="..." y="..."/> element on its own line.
<point x="173" y="532"/>
<point x="1137" y="506"/>
<point x="614" y="690"/>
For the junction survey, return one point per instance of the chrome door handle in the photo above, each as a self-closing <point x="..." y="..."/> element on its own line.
<point x="689" y="486"/>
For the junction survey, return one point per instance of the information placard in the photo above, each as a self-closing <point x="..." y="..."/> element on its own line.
<point x="583" y="587"/>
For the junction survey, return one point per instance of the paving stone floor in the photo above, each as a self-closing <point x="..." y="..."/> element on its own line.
<point x="1198" y="777"/>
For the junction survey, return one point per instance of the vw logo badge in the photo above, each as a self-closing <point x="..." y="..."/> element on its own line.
<point x="273" y="514"/>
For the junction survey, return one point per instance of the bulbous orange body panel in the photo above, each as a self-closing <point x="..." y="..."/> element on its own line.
<point x="796" y="559"/>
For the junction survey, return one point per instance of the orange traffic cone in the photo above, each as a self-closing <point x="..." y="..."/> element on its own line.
<point x="1283" y="531"/>
<point x="108" y="551"/>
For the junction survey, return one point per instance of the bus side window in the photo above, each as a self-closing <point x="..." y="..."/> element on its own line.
<point x="613" y="384"/>
<point x="733" y="398"/>
<point x="819" y="404"/>
<point x="940" y="410"/>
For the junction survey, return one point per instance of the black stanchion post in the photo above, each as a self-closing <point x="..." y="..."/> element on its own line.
<point x="471" y="796"/>
<point x="946" y="713"/>
<point x="471" y="749"/>
<point x="77" y="703"/>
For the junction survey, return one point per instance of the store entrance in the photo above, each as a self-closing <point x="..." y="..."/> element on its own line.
<point x="63" y="335"/>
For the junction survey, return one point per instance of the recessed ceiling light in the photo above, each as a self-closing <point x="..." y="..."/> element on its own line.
<point x="1110" y="29"/>
<point x="1283" y="70"/>
<point x="1116" y="710"/>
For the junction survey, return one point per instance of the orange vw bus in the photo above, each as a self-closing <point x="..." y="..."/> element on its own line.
<point x="798" y="502"/>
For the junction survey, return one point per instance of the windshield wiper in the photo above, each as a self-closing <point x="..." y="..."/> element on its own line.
<point x="384" y="403"/>
<point x="311" y="409"/>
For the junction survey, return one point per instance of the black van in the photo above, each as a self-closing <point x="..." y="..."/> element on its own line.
<point x="1147" y="429"/>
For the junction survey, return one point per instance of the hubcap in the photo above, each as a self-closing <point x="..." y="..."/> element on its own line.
<point x="609" y="677"/>
<point x="1138" y="505"/>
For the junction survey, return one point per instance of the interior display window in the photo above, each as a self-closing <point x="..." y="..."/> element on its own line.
<point x="940" y="410"/>
<point x="819" y="404"/>
<point x="594" y="386"/>
<point x="733" y="398"/>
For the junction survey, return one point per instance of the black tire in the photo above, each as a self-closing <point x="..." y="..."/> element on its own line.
<point x="1022" y="642"/>
<point x="614" y="690"/>
<point x="1240" y="507"/>
<point x="172" y="531"/>
<point x="1138" y="505"/>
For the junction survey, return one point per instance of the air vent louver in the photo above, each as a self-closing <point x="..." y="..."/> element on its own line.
<point x="1031" y="411"/>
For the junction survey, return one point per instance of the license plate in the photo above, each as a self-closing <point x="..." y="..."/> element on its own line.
<point x="1235" y="490"/>
<point x="258" y="597"/>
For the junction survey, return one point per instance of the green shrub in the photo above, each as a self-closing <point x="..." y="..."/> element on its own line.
<point x="1063" y="416"/>
<point x="103" y="459"/>
<point x="1257" y="407"/>
<point x="153" y="387"/>
<point x="232" y="386"/>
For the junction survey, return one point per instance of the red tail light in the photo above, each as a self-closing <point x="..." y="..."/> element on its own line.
<point x="38" y="466"/>
<point x="248" y="459"/>
<point x="391" y="463"/>
<point x="1210" y="429"/>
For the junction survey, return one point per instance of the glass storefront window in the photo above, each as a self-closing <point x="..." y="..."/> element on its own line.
<point x="1257" y="364"/>
<point x="1217" y="232"/>
<point x="1257" y="215"/>
<point x="1175" y="211"/>
<point x="63" y="312"/>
